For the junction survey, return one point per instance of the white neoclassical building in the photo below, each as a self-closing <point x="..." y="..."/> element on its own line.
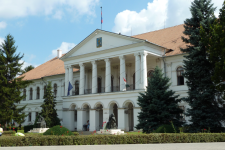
<point x="97" y="68"/>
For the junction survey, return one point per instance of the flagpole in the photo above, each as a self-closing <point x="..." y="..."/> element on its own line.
<point x="101" y="18"/>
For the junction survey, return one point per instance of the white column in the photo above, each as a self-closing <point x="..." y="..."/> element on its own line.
<point x="82" y="73"/>
<point x="94" y="77"/>
<point x="135" y="112"/>
<point x="92" y="119"/>
<point x="27" y="94"/>
<point x="143" y="70"/>
<point x="107" y="75"/>
<point x="70" y="78"/>
<point x="66" y="80"/>
<point x="137" y="70"/>
<point x="79" y="120"/>
<point x="121" y="119"/>
<point x="122" y="73"/>
<point x="33" y="117"/>
<point x="59" y="91"/>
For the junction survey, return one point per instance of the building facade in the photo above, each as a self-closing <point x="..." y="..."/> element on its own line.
<point x="107" y="72"/>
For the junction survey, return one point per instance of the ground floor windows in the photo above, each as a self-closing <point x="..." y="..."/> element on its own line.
<point x="29" y="117"/>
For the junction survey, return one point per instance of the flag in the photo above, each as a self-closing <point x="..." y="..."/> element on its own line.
<point x="101" y="17"/>
<point x="125" y="82"/>
<point x="69" y="88"/>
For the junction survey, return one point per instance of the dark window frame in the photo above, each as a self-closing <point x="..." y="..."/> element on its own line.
<point x="180" y="77"/>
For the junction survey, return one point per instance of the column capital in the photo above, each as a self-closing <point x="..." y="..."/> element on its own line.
<point x="93" y="62"/>
<point x="143" y="53"/>
<point x="107" y="60"/>
<point x="136" y="54"/>
<point x="122" y="57"/>
<point x="81" y="65"/>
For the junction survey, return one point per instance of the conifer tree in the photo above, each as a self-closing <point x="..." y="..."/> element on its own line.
<point x="10" y="86"/>
<point x="204" y="109"/>
<point x="215" y="44"/>
<point x="48" y="112"/>
<point x="159" y="104"/>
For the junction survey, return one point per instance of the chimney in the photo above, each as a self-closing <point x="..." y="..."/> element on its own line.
<point x="59" y="53"/>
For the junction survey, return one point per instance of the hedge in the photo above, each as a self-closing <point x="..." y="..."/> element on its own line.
<point x="112" y="139"/>
<point x="9" y="132"/>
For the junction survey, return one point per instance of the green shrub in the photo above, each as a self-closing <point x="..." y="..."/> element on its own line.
<point x="9" y="132"/>
<point x="76" y="133"/>
<point x="111" y="139"/>
<point x="167" y="128"/>
<point x="28" y="128"/>
<point x="58" y="130"/>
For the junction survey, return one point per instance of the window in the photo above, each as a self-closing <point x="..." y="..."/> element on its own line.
<point x="55" y="89"/>
<point x="38" y="93"/>
<point x="24" y="94"/>
<point x="112" y="83"/>
<point x="180" y="77"/>
<point x="29" y="116"/>
<point x="31" y="93"/>
<point x="44" y="91"/>
<point x="75" y="115"/>
<point x="99" y="85"/>
<point x="76" y="87"/>
<point x="134" y="81"/>
<point x="150" y="73"/>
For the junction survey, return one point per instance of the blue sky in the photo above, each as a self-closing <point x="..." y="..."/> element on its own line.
<point x="40" y="27"/>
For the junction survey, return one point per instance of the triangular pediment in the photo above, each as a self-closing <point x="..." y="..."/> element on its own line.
<point x="101" y="40"/>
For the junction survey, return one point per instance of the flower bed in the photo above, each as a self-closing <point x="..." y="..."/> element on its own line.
<point x="112" y="139"/>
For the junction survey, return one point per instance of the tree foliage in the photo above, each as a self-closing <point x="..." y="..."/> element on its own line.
<point x="159" y="104"/>
<point x="48" y="108"/>
<point x="215" y="44"/>
<point x="28" y="68"/>
<point x="204" y="110"/>
<point x="10" y="86"/>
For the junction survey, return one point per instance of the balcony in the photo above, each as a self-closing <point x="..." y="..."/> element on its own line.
<point x="102" y="90"/>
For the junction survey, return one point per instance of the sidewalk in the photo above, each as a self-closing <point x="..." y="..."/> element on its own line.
<point x="176" y="146"/>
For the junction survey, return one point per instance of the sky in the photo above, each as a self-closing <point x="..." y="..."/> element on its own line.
<point x="41" y="27"/>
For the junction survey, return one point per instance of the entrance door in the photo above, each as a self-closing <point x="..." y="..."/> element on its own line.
<point x="99" y="85"/>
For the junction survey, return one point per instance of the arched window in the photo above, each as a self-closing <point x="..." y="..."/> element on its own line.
<point x="31" y="93"/>
<point x="44" y="91"/>
<point x="24" y="94"/>
<point x="99" y="85"/>
<point x="180" y="77"/>
<point x="38" y="93"/>
<point x="76" y="87"/>
<point x="55" y="89"/>
<point x="150" y="73"/>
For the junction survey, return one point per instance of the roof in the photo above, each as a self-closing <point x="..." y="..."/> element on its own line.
<point x="52" y="67"/>
<point x="169" y="38"/>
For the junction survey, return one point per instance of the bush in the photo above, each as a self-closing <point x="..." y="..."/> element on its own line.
<point x="76" y="133"/>
<point x="167" y="128"/>
<point x="112" y="139"/>
<point x="9" y="132"/>
<point x="58" y="130"/>
<point x="28" y="128"/>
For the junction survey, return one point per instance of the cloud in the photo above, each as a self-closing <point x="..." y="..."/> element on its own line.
<point x="157" y="14"/>
<point x="3" y="25"/>
<point x="148" y="19"/>
<point x="23" y="8"/>
<point x="65" y="47"/>
<point x="58" y="15"/>
<point x="25" y="64"/>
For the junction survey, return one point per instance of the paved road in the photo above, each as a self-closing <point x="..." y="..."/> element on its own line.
<point x="178" y="146"/>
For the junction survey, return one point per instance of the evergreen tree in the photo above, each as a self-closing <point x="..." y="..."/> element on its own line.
<point x="204" y="108"/>
<point x="215" y="44"/>
<point x="158" y="104"/>
<point x="48" y="108"/>
<point x="10" y="86"/>
<point x="28" y="68"/>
